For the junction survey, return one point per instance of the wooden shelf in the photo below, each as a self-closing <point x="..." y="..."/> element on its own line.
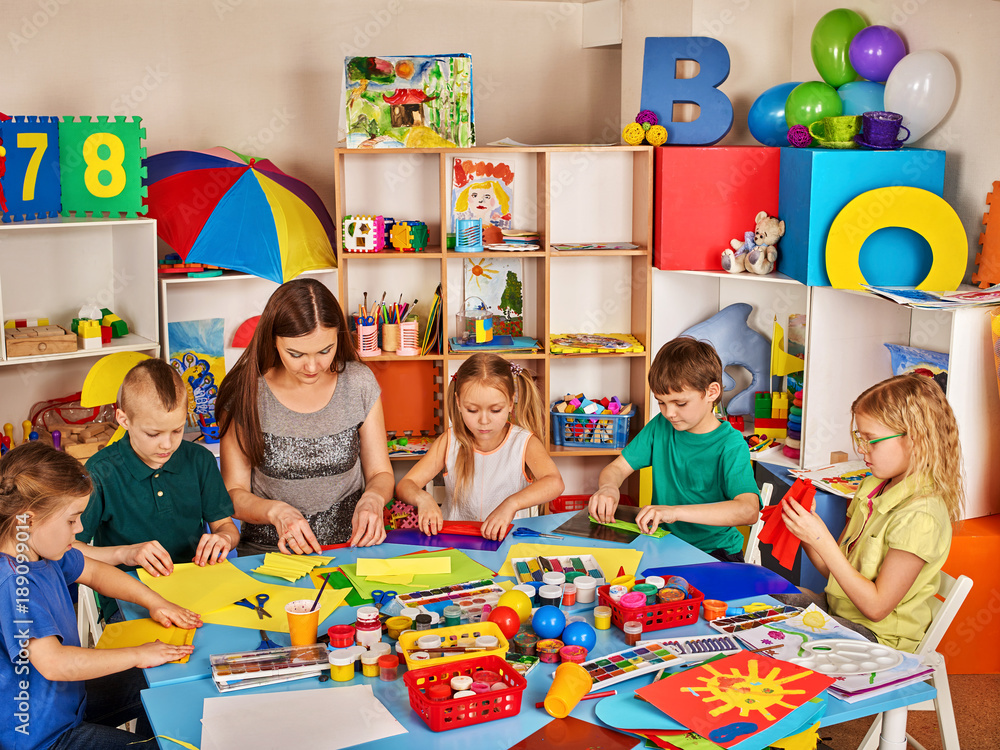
<point x="129" y="343"/>
<point x="562" y="450"/>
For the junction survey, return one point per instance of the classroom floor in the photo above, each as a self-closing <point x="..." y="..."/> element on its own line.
<point x="976" y="698"/>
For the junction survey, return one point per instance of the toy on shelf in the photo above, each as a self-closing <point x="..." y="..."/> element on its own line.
<point x="173" y="263"/>
<point x="41" y="339"/>
<point x="988" y="259"/>
<point x="475" y="323"/>
<point x="645" y="128"/>
<point x="594" y="343"/>
<point x="364" y="234"/>
<point x="579" y="422"/>
<point x="83" y="440"/>
<point x="468" y="235"/>
<point x="408" y="236"/>
<point x="757" y="252"/>
<point x="771" y="415"/>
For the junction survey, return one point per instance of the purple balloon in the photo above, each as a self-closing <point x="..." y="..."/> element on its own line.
<point x="874" y="52"/>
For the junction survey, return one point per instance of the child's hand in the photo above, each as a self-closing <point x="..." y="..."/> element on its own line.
<point x="212" y="548"/>
<point x="604" y="502"/>
<point x="148" y="555"/>
<point x="806" y="525"/>
<point x="167" y="614"/>
<point x="156" y="653"/>
<point x="653" y="515"/>
<point x="367" y="523"/>
<point x="429" y="516"/>
<point x="497" y="521"/>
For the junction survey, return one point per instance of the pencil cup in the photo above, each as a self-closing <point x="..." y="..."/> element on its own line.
<point x="409" y="339"/>
<point x="368" y="340"/>
<point x="302" y="621"/>
<point x="390" y="337"/>
<point x="570" y="683"/>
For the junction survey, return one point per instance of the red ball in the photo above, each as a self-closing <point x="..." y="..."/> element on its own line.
<point x="507" y="620"/>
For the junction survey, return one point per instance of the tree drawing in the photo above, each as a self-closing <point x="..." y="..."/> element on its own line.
<point x="510" y="300"/>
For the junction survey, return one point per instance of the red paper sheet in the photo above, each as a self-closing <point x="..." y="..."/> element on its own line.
<point x="785" y="544"/>
<point x="732" y="698"/>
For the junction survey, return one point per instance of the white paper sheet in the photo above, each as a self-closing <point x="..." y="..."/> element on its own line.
<point x="322" y="719"/>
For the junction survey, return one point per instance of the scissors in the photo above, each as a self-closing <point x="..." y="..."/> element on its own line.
<point x="525" y="531"/>
<point x="259" y="608"/>
<point x="380" y="598"/>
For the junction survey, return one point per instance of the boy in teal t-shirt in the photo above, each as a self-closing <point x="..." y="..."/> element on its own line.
<point x="703" y="484"/>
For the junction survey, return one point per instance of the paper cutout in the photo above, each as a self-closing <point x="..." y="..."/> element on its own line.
<point x="732" y="699"/>
<point x="182" y="743"/>
<point x="400" y="578"/>
<point x="610" y="559"/>
<point x="571" y="732"/>
<point x="244" y="617"/>
<point x="785" y="544"/>
<point x="133" y="633"/>
<point x="806" y="740"/>
<point x="463" y="568"/>
<point x="422" y="565"/>
<point x="202" y="589"/>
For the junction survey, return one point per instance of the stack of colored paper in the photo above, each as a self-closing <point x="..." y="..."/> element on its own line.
<point x="133" y="633"/>
<point x="289" y="567"/>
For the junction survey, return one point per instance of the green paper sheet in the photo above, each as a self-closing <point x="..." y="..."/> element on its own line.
<point x="634" y="528"/>
<point x="463" y="568"/>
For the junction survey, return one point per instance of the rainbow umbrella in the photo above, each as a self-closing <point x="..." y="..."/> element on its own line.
<point x="225" y="209"/>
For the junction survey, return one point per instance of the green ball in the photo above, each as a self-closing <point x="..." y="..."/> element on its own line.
<point x="831" y="44"/>
<point x="812" y="101"/>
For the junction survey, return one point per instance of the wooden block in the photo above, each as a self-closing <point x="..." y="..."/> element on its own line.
<point x="838" y="457"/>
<point x="24" y="342"/>
<point x="91" y="430"/>
<point x="82" y="451"/>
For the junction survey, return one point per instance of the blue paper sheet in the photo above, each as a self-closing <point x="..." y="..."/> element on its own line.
<point x="727" y="581"/>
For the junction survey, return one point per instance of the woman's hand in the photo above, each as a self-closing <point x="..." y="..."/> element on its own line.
<point x="367" y="524"/>
<point x="429" y="516"/>
<point x="295" y="537"/>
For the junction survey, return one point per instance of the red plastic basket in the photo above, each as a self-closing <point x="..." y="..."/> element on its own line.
<point x="564" y="503"/>
<point x="463" y="712"/>
<point x="654" y="616"/>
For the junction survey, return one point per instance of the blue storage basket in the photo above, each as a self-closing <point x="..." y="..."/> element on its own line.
<point x="590" y="431"/>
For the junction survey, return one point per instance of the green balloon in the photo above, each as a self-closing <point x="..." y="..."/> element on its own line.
<point x="831" y="42"/>
<point x="812" y="101"/>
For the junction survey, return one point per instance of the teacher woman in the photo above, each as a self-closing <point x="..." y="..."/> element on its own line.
<point x="304" y="452"/>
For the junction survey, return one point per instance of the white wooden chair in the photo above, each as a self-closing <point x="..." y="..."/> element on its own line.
<point x="952" y="592"/>
<point x="88" y="615"/>
<point x="752" y="553"/>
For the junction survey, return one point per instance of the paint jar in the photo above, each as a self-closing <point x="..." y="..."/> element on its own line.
<point x="648" y="590"/>
<point x="633" y="632"/>
<point x="410" y="612"/>
<point x="367" y="627"/>
<point x="669" y="595"/>
<point x="358" y="652"/>
<point x="388" y="668"/>
<point x="461" y="682"/>
<point x="479" y="687"/>
<point x="381" y="649"/>
<point x="547" y="650"/>
<point x="586" y="589"/>
<point x="435" y="619"/>
<point x="617" y="591"/>
<point x="550" y="594"/>
<point x="438" y="691"/>
<point x="369" y="664"/>
<point x="524" y="643"/>
<point x="429" y="642"/>
<point x="553" y="578"/>
<point x="422" y="622"/>
<point x="400" y="654"/>
<point x="714" y="609"/>
<point x="678" y="583"/>
<point x="655" y="581"/>
<point x="528" y="590"/>
<point x="575" y="654"/>
<point x="464" y="694"/>
<point x="602" y="618"/>
<point x="341" y="665"/>
<point x="487" y="641"/>
<point x="486" y="675"/>
<point x="341" y="636"/>
<point x="569" y="594"/>
<point x="633" y="600"/>
<point x="396" y="625"/>
<point x="419" y="656"/>
<point x="452" y="615"/>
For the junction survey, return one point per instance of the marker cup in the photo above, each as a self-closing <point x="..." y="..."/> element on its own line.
<point x="570" y="683"/>
<point x="303" y="621"/>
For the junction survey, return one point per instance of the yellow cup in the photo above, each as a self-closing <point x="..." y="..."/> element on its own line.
<point x="303" y="621"/>
<point x="627" y="581"/>
<point x="570" y="683"/>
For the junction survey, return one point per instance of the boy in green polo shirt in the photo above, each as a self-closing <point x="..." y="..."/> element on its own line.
<point x="703" y="483"/>
<point x="154" y="491"/>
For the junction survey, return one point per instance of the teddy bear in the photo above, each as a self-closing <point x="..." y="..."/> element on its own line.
<point x="758" y="252"/>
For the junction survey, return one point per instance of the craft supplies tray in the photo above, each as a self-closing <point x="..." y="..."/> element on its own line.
<point x="232" y="668"/>
<point x="470" y="597"/>
<point x="453" y="637"/>
<point x="654" y="616"/>
<point x="442" y="715"/>
<point x="752" y="619"/>
<point x="532" y="568"/>
<point x="630" y="662"/>
<point x="587" y="430"/>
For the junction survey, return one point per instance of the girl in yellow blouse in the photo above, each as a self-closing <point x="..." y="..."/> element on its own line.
<point x="883" y="571"/>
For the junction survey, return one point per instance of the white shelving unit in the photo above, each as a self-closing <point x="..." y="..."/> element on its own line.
<point x="49" y="269"/>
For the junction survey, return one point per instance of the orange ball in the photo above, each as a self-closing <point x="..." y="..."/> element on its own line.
<point x="507" y="620"/>
<point x="519" y="602"/>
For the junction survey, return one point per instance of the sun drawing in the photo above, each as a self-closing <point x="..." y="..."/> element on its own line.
<point x="815" y="621"/>
<point x="749" y="692"/>
<point x="483" y="270"/>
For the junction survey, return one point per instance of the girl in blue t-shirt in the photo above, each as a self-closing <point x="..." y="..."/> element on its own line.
<point x="60" y="695"/>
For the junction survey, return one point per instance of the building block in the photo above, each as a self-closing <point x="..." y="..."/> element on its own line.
<point x="363" y="234"/>
<point x="762" y="405"/>
<point x="706" y="197"/>
<point x="816" y="184"/>
<point x="988" y="259"/>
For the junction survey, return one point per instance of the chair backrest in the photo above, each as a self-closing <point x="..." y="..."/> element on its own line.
<point x="752" y="553"/>
<point x="952" y="592"/>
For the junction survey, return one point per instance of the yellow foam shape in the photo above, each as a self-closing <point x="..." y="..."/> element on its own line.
<point x="244" y="617"/>
<point x="398" y="579"/>
<point x="105" y="378"/>
<point x="131" y="633"/>
<point x="921" y="211"/>
<point x="414" y="564"/>
<point x="608" y="558"/>
<point x="203" y="589"/>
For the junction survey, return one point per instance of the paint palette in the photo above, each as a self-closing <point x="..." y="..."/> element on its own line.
<point x="700" y="647"/>
<point x="470" y="596"/>
<point x="250" y="668"/>
<point x="629" y="663"/>
<point x="749" y="620"/>
<point x="842" y="656"/>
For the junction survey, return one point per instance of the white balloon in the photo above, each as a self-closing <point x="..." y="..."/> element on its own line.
<point x="921" y="87"/>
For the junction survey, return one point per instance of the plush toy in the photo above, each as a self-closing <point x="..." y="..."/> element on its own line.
<point x="758" y="252"/>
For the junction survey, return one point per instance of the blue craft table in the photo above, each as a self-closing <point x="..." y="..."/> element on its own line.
<point x="174" y="700"/>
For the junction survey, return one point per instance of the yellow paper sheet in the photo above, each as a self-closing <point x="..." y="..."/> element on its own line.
<point x="608" y="558"/>
<point x="806" y="740"/>
<point x="400" y="579"/>
<point x="263" y="570"/>
<point x="289" y="567"/>
<point x="137" y="632"/>
<point x="244" y="617"/>
<point x="202" y="589"/>
<point x="421" y="565"/>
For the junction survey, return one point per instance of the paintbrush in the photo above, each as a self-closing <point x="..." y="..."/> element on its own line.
<point x="588" y="697"/>
<point x="446" y="649"/>
<point x="326" y="580"/>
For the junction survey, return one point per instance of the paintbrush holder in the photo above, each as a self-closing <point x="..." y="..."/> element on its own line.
<point x="409" y="339"/>
<point x="368" y="340"/>
<point x="390" y="337"/>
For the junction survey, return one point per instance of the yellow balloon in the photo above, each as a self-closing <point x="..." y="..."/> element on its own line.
<point x="519" y="602"/>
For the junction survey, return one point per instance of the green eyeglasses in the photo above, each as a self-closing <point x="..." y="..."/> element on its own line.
<point x="864" y="445"/>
